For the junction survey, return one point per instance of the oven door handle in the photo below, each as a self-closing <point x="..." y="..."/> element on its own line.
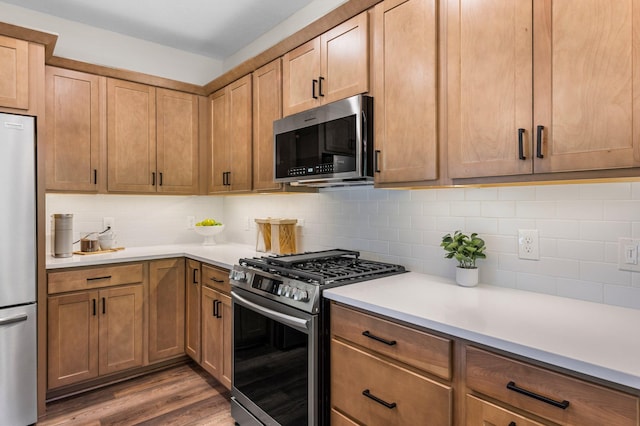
<point x="295" y="322"/>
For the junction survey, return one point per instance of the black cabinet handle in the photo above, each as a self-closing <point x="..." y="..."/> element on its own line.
<point x="153" y="178"/>
<point x="215" y="280"/>
<point x="215" y="309"/>
<point x="321" y="79"/>
<point x="95" y="176"/>
<point x="513" y="424"/>
<point x="376" y="161"/>
<point x="539" y="130"/>
<point x="368" y="394"/>
<point x="160" y="183"/>
<point x="313" y="89"/>
<point x="379" y="339"/>
<point x="512" y="386"/>
<point x="94" y="307"/>
<point x="104" y="306"/>
<point x="194" y="281"/>
<point x="218" y="303"/>
<point x="229" y="178"/>
<point x="106" y="277"/>
<point x="521" y="144"/>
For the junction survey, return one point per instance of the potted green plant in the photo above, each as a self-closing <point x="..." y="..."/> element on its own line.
<point x="465" y="249"/>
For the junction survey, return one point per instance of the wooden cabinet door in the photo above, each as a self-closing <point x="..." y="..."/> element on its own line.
<point x="166" y="308"/>
<point x="14" y="73"/>
<point x="300" y="78"/>
<point x="405" y="87"/>
<point x="131" y="137"/>
<point x="587" y="82"/>
<point x="192" y="307"/>
<point x="216" y="335"/>
<point x="73" y="148"/>
<point x="344" y="62"/>
<point x="267" y="107"/>
<point x="482" y="413"/>
<point x="240" y="135"/>
<point x="489" y="87"/>
<point x="218" y="146"/>
<point x="177" y="142"/>
<point x="72" y="338"/>
<point x="121" y="338"/>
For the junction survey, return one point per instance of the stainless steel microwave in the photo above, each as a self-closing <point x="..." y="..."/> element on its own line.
<point x="328" y="145"/>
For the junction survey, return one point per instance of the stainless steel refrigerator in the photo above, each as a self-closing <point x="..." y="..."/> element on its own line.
<point x="18" y="270"/>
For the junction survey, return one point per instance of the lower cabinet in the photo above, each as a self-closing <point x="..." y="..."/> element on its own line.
<point x="192" y="310"/>
<point x="94" y="333"/>
<point x="166" y="308"/>
<point x="216" y="323"/>
<point x="386" y="373"/>
<point x="541" y="392"/>
<point x="373" y="380"/>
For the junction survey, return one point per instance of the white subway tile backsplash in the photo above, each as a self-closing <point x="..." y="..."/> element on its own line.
<point x="535" y="209"/>
<point x="579" y="226"/>
<point x="604" y="230"/>
<point x="580" y="210"/>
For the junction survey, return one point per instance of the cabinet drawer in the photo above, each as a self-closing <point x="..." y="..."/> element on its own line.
<point x="83" y="279"/>
<point x="588" y="404"/>
<point x="482" y="413"/>
<point x="416" y="348"/>
<point x="216" y="278"/>
<point x="359" y="378"/>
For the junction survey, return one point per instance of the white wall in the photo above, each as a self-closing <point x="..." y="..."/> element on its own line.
<point x="139" y="220"/>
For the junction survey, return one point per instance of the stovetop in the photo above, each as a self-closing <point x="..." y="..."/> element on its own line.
<point x="323" y="267"/>
<point x="298" y="280"/>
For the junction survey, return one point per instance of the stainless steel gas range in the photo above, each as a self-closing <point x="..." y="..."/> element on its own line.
<point x="280" y="333"/>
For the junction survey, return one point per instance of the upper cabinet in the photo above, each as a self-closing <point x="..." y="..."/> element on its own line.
<point x="177" y="142"/>
<point x="405" y="91"/>
<point x="137" y="161"/>
<point x="231" y="135"/>
<point x="267" y="107"/>
<point x="73" y="149"/>
<point x="131" y="136"/>
<point x="550" y="88"/>
<point x="14" y="73"/>
<point x="330" y="67"/>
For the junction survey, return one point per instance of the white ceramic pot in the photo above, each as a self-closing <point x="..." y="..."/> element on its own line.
<point x="467" y="277"/>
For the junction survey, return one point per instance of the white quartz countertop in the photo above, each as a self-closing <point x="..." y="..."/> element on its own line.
<point x="598" y="340"/>
<point x="223" y="255"/>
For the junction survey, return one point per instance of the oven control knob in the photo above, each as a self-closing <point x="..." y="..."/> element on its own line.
<point x="280" y="290"/>
<point x="301" y="295"/>
<point x="287" y="291"/>
<point x="238" y="276"/>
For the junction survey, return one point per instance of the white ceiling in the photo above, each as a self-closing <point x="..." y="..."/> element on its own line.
<point x="212" y="28"/>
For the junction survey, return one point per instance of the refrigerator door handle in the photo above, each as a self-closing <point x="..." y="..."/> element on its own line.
<point x="17" y="318"/>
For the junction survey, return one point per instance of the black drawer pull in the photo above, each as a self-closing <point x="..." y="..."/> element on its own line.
<point x="94" y="307"/>
<point x="215" y="280"/>
<point x="106" y="277"/>
<point x="95" y="176"/>
<point x="512" y="386"/>
<point x="379" y="339"/>
<point x="368" y="394"/>
<point x="195" y="277"/>
<point x="513" y="424"/>
<point x="104" y="306"/>
<point x="521" y="144"/>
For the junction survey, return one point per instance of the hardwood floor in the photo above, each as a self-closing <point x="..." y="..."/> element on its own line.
<point x="182" y="395"/>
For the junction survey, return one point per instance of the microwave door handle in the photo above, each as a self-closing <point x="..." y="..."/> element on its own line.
<point x="297" y="323"/>
<point x="365" y="141"/>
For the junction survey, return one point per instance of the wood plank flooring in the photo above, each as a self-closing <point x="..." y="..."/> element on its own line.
<point x="181" y="395"/>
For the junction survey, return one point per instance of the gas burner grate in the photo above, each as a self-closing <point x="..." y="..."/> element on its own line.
<point x="325" y="267"/>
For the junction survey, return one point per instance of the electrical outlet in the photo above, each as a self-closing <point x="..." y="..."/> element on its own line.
<point x="628" y="249"/>
<point x="191" y="222"/>
<point x="108" y="222"/>
<point x="528" y="247"/>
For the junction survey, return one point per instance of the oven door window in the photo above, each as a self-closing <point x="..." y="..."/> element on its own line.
<point x="271" y="365"/>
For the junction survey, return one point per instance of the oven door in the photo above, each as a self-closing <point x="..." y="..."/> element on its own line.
<point x="275" y="362"/>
